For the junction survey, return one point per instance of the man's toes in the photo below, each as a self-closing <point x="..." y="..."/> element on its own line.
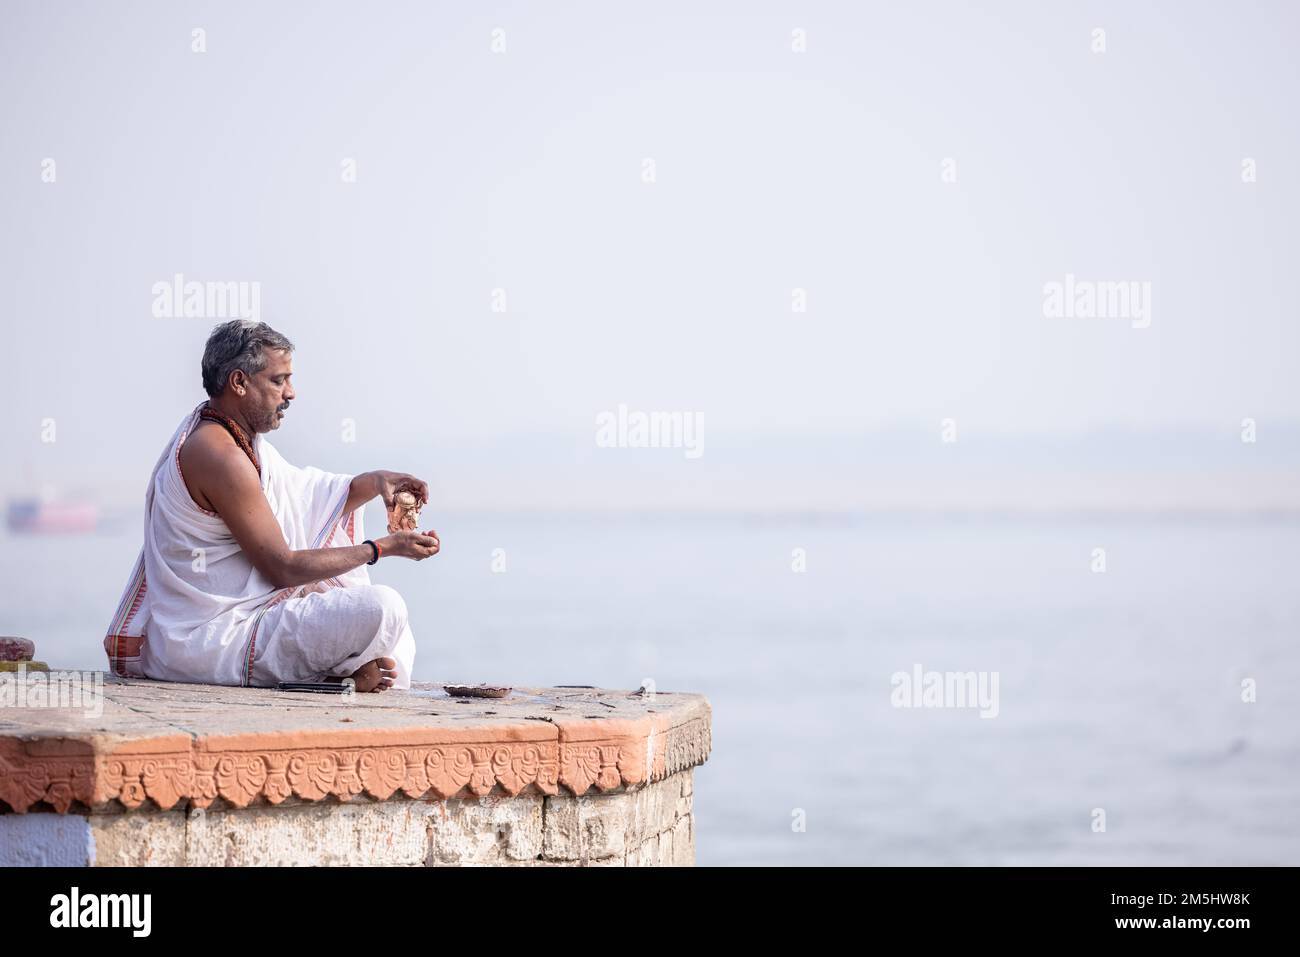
<point x="376" y="675"/>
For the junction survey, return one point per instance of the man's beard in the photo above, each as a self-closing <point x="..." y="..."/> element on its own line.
<point x="269" y="421"/>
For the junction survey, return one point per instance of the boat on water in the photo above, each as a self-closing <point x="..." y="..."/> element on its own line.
<point x="41" y="516"/>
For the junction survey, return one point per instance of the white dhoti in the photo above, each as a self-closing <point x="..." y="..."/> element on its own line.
<point x="195" y="609"/>
<point x="333" y="633"/>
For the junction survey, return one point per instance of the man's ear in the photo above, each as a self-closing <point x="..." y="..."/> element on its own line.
<point x="238" y="382"/>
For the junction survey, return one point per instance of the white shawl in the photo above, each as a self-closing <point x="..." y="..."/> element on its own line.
<point x="193" y="602"/>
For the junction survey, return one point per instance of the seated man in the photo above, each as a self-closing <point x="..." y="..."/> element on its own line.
<point x="253" y="571"/>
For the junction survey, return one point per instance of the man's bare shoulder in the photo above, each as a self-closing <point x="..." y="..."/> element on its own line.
<point x="210" y="457"/>
<point x="209" y="444"/>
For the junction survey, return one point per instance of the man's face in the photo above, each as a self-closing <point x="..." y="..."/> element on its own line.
<point x="269" y="393"/>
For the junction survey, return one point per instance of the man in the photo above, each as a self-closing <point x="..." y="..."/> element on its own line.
<point x="253" y="571"/>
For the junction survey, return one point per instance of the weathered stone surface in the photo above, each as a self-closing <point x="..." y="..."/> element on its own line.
<point x="138" y="840"/>
<point x="585" y="828"/>
<point x="208" y="776"/>
<point x="367" y="832"/>
<point x="672" y="848"/>
<point x="13" y="648"/>
<point x="488" y="831"/>
<point x="173" y="745"/>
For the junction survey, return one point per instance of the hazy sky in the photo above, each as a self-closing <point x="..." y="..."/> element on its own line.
<point x="524" y="170"/>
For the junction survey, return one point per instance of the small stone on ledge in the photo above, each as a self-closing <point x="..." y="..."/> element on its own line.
<point x="13" y="648"/>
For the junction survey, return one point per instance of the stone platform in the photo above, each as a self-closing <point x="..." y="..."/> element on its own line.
<point x="178" y="774"/>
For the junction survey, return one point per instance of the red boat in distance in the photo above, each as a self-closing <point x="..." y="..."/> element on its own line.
<point x="51" y="517"/>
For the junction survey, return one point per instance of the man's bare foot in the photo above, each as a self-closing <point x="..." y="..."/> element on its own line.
<point x="377" y="675"/>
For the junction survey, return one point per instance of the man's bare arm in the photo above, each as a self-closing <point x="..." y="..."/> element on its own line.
<point x="364" y="487"/>
<point x="230" y="483"/>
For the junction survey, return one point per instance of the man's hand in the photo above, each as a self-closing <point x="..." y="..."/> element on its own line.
<point x="390" y="483"/>
<point x="385" y="485"/>
<point x="417" y="545"/>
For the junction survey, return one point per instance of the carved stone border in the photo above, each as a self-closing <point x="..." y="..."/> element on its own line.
<point x="585" y="755"/>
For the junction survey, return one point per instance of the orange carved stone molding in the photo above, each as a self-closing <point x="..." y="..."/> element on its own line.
<point x="400" y="756"/>
<point x="243" y="778"/>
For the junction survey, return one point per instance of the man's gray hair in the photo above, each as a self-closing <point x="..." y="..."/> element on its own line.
<point x="238" y="344"/>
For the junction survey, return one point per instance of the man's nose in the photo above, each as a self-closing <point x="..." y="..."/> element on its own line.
<point x="289" y="394"/>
